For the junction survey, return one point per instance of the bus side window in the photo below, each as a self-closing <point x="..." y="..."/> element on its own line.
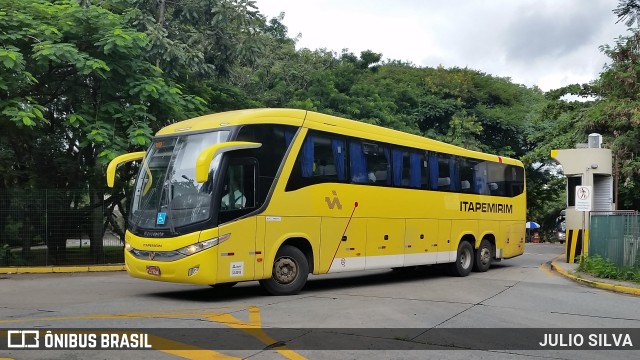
<point x="238" y="189"/>
<point x="481" y="185"/>
<point x="400" y="167"/>
<point x="277" y="139"/>
<point x="441" y="171"/>
<point x="419" y="170"/>
<point x="238" y="196"/>
<point x="379" y="161"/>
<point x="468" y="176"/>
<point x="497" y="179"/>
<point x="515" y="180"/>
<point x="369" y="163"/>
<point x="409" y="168"/>
<point x="357" y="162"/>
<point x="328" y="159"/>
<point x="321" y="159"/>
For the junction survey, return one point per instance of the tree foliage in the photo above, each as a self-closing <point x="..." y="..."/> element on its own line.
<point x="195" y="38"/>
<point x="610" y="106"/>
<point x="616" y="112"/>
<point x="461" y="106"/>
<point x="628" y="11"/>
<point x="76" y="91"/>
<point x="79" y="74"/>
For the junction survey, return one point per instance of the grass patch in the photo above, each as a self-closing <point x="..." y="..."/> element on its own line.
<point x="606" y="269"/>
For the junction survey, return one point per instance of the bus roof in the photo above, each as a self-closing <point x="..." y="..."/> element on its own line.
<point x="318" y="121"/>
<point x="238" y="117"/>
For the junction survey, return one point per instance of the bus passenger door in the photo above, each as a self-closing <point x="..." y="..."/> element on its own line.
<point x="343" y="253"/>
<point x="385" y="243"/>
<point x="237" y="247"/>
<point x="445" y="244"/>
<point x="237" y="254"/>
<point x="421" y="242"/>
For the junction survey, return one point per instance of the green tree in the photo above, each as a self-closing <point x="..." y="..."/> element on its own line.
<point x="195" y="37"/>
<point x="616" y="113"/>
<point x="559" y="124"/>
<point x="76" y="91"/>
<point x="628" y="11"/>
<point x="464" y="130"/>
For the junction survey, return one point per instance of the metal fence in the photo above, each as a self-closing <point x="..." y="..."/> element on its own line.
<point x="616" y="236"/>
<point x="55" y="227"/>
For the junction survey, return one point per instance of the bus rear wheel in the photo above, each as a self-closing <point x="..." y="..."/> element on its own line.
<point x="483" y="256"/>
<point x="464" y="260"/>
<point x="289" y="273"/>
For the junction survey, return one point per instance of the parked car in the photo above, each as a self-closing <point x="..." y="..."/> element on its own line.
<point x="561" y="236"/>
<point x="561" y="227"/>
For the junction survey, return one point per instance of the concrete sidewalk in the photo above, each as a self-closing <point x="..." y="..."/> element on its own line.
<point x="60" y="269"/>
<point x="570" y="271"/>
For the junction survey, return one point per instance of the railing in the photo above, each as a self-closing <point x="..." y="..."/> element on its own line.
<point x="56" y="227"/>
<point x="615" y="235"/>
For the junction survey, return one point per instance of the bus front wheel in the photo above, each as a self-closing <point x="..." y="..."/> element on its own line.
<point x="289" y="274"/>
<point x="464" y="260"/>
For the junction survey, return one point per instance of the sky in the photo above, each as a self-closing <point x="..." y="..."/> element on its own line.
<point x="544" y="43"/>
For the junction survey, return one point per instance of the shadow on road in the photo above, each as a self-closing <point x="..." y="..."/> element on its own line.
<point x="331" y="282"/>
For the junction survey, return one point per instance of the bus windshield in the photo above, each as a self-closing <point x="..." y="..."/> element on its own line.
<point x="166" y="194"/>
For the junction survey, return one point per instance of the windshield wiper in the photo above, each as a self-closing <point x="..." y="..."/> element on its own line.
<point x="143" y="208"/>
<point x="172" y="229"/>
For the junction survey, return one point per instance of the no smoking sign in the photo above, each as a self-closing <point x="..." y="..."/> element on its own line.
<point x="584" y="198"/>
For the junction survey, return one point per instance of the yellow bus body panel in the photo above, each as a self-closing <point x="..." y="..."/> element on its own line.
<point x="239" y="117"/>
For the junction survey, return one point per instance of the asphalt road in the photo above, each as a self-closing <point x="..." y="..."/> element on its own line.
<point x="517" y="293"/>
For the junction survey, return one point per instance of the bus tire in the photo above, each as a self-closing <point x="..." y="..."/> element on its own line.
<point x="289" y="273"/>
<point x="464" y="260"/>
<point x="483" y="256"/>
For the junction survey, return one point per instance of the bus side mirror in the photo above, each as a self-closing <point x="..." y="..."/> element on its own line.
<point x="113" y="165"/>
<point x="206" y="156"/>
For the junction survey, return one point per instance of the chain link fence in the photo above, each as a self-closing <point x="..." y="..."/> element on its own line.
<point x="616" y="236"/>
<point x="56" y="227"/>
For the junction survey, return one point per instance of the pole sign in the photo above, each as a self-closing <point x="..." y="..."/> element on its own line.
<point x="584" y="196"/>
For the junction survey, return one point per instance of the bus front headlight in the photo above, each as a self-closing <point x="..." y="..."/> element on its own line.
<point x="202" y="245"/>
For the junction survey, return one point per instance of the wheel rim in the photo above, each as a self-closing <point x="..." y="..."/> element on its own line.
<point x="285" y="270"/>
<point x="485" y="256"/>
<point x="465" y="258"/>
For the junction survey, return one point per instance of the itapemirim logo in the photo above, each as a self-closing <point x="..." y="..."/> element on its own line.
<point x="335" y="202"/>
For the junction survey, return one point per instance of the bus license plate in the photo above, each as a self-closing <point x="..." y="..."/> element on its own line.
<point x="153" y="270"/>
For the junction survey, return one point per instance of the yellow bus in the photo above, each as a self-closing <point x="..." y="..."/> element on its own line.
<point x="275" y="194"/>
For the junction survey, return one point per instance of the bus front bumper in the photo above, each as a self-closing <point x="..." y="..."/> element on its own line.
<point x="199" y="268"/>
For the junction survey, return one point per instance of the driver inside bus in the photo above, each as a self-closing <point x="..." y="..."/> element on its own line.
<point x="239" y="200"/>
<point x="233" y="198"/>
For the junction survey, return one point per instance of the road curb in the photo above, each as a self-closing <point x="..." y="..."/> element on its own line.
<point x="60" y="269"/>
<point x="596" y="284"/>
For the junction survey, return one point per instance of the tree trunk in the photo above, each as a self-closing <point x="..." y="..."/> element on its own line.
<point x="162" y="5"/>
<point x="96" y="249"/>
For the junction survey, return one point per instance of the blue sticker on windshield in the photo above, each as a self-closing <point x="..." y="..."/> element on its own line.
<point x="161" y="218"/>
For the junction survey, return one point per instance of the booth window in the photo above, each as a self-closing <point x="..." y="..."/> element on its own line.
<point x="572" y="182"/>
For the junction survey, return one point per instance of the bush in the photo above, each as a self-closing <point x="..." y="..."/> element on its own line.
<point x="606" y="269"/>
